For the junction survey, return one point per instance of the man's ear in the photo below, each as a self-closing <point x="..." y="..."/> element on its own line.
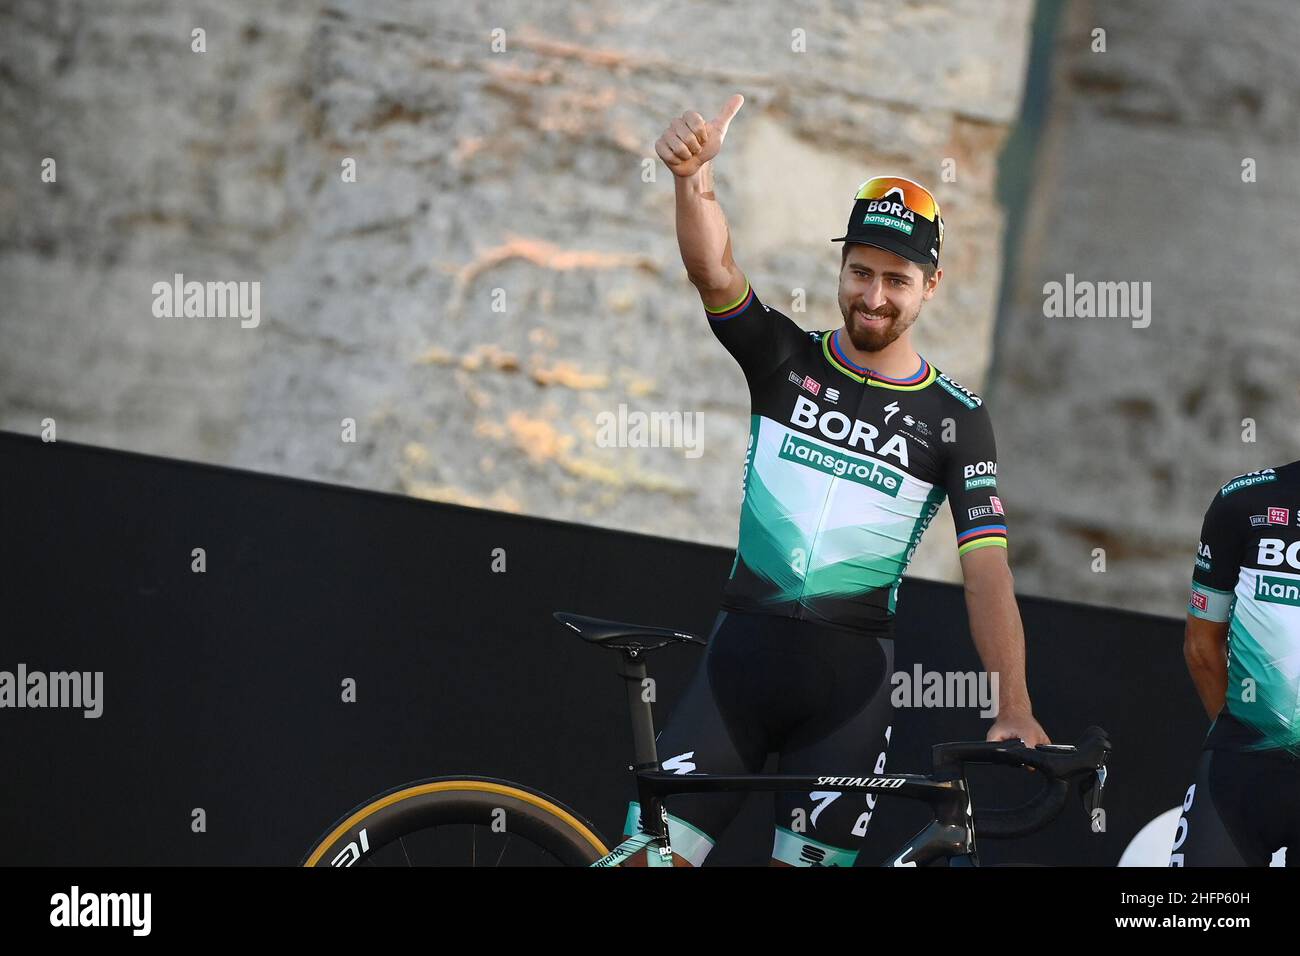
<point x="933" y="283"/>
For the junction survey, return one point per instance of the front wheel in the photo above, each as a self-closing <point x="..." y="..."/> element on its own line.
<point x="459" y="821"/>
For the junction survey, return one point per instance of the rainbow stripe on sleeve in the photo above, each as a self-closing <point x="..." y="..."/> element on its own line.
<point x="988" y="535"/>
<point x="735" y="308"/>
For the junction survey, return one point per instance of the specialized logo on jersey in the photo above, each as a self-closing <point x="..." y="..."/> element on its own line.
<point x="1277" y="590"/>
<point x="890" y="411"/>
<point x="1248" y="480"/>
<point x="837" y="426"/>
<point x="959" y="392"/>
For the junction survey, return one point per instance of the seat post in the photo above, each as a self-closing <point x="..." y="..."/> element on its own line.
<point x="632" y="670"/>
<point x="654" y="819"/>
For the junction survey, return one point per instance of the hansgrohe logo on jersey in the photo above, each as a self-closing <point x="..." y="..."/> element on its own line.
<point x="1277" y="590"/>
<point x="840" y="465"/>
<point x="1247" y="480"/>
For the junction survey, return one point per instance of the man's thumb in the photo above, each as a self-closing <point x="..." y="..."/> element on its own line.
<point x="729" y="111"/>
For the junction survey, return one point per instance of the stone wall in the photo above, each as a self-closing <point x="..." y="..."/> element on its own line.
<point x="1116" y="436"/>
<point x="504" y="269"/>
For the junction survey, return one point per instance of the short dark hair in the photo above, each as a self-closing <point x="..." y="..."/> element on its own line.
<point x="927" y="268"/>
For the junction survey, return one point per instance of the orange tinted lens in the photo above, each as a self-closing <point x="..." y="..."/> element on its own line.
<point x="914" y="197"/>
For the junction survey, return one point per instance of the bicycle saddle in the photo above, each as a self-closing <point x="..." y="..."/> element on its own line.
<point x="632" y="637"/>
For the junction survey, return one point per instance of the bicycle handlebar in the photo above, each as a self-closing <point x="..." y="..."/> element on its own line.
<point x="1061" y="765"/>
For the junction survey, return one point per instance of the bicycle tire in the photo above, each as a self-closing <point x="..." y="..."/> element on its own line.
<point x="390" y="816"/>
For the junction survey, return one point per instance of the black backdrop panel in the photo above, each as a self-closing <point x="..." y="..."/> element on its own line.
<point x="222" y="690"/>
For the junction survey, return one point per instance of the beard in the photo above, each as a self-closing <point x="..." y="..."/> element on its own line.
<point x="881" y="335"/>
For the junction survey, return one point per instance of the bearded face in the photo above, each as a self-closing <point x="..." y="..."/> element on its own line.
<point x="880" y="296"/>
<point x="871" y="330"/>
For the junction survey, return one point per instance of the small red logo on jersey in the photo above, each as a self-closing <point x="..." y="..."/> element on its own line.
<point x="811" y="384"/>
<point x="997" y="504"/>
<point x="1279" y="515"/>
<point x="1198" y="601"/>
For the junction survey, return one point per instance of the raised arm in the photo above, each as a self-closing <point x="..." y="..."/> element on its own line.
<point x="687" y="148"/>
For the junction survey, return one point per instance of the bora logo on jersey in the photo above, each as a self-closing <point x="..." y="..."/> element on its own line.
<point x="1273" y="552"/>
<point x="854" y="432"/>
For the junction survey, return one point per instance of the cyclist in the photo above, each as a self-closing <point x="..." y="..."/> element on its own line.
<point x="1243" y="651"/>
<point x="855" y="440"/>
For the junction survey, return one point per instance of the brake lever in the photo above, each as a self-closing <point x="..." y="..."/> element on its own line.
<point x="1092" y="789"/>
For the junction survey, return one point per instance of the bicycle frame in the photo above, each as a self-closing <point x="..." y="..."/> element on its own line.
<point x="949" y="837"/>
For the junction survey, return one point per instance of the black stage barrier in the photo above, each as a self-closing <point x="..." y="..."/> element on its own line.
<point x="222" y="691"/>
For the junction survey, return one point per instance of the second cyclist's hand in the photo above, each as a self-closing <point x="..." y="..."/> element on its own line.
<point x="690" y="141"/>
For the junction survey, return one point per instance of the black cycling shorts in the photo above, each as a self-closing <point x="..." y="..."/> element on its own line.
<point x="817" y="696"/>
<point x="1240" y="810"/>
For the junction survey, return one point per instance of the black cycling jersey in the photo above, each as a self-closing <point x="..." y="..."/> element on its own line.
<point x="1248" y="574"/>
<point x="844" y="471"/>
<point x="1244" y="803"/>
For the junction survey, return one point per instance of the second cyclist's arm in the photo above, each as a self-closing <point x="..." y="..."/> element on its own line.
<point x="1205" y="650"/>
<point x="1214" y="580"/>
<point x="705" y="240"/>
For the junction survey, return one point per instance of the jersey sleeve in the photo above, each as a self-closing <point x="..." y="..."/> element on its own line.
<point x="971" y="480"/>
<point x="758" y="337"/>
<point x="1218" y="561"/>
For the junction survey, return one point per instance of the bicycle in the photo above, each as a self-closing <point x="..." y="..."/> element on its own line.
<point x="409" y="816"/>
